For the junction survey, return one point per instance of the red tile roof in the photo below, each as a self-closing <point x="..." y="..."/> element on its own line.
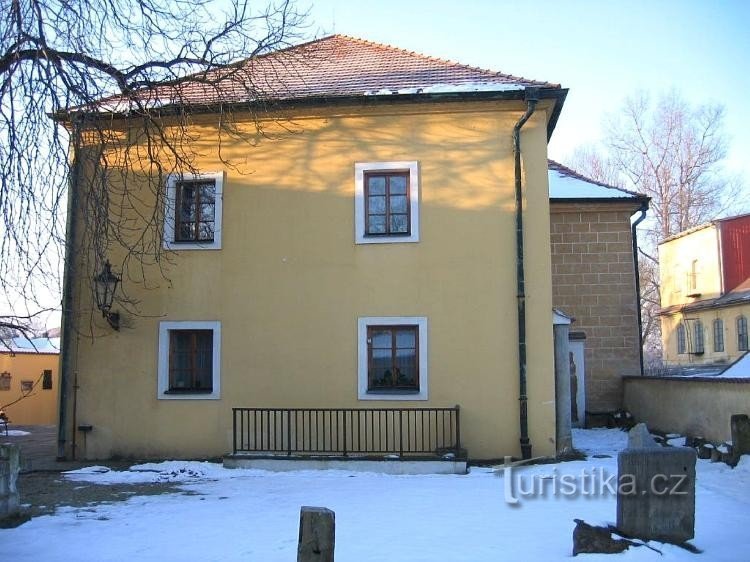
<point x="334" y="66"/>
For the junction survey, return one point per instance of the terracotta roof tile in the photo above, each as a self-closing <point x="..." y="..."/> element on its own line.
<point x="335" y="66"/>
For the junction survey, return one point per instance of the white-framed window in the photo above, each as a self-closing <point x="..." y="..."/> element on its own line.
<point x="192" y="216"/>
<point x="386" y="202"/>
<point x="189" y="360"/>
<point x="392" y="358"/>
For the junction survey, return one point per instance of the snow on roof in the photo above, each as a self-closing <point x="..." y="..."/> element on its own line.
<point x="565" y="183"/>
<point x="740" y="369"/>
<point x="33" y="345"/>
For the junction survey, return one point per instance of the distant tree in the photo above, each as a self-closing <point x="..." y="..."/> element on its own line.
<point x="87" y="65"/>
<point x="673" y="153"/>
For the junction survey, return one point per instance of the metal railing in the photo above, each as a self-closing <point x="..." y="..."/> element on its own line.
<point x="347" y="431"/>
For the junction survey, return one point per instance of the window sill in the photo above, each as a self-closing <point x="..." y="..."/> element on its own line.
<point x="187" y="391"/>
<point x="387" y="391"/>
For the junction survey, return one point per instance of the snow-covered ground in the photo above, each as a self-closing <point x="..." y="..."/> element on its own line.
<point x="254" y="515"/>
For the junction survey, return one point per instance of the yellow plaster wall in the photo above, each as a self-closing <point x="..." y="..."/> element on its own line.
<point x="728" y="314"/>
<point x="675" y="266"/>
<point x="40" y="406"/>
<point x="289" y="284"/>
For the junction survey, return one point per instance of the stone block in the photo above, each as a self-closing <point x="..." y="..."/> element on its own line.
<point x="740" y="425"/>
<point x="656" y="490"/>
<point x="9" y="467"/>
<point x="317" y="535"/>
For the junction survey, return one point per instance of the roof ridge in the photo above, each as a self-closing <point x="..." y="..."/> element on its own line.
<point x="435" y="59"/>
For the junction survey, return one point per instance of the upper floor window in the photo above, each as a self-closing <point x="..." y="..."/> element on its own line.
<point x="193" y="212"/>
<point x="47" y="379"/>
<point x="386" y="200"/>
<point x="718" y="335"/>
<point x="699" y="341"/>
<point x="681" y="339"/>
<point x="742" y="333"/>
<point x="693" y="277"/>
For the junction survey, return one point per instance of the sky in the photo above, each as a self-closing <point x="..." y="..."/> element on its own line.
<point x="601" y="51"/>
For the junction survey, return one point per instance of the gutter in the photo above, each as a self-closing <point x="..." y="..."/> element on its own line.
<point x="321" y="100"/>
<point x="642" y="210"/>
<point x="532" y="97"/>
<point x="68" y="330"/>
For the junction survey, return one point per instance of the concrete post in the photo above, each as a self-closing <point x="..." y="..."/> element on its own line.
<point x="9" y="466"/>
<point x="317" y="534"/>
<point x="740" y="434"/>
<point x="563" y="434"/>
<point x="656" y="490"/>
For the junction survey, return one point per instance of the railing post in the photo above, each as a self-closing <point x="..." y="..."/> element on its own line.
<point x="234" y="430"/>
<point x="343" y="412"/>
<point x="400" y="433"/>
<point x="289" y="432"/>
<point x="458" y="428"/>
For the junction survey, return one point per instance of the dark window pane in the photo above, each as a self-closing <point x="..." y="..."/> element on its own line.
<point x="398" y="185"/>
<point x="376" y="224"/>
<point x="376" y="205"/>
<point x="381" y="339"/>
<point x="399" y="224"/>
<point x="376" y="185"/>
<point x="47" y="380"/>
<point x="398" y="204"/>
<point x="406" y="338"/>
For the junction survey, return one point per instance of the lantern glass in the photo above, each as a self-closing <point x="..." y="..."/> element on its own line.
<point x="105" y="285"/>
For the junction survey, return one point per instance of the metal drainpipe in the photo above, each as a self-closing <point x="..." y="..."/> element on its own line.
<point x="67" y="308"/>
<point x="643" y="209"/>
<point x="532" y="97"/>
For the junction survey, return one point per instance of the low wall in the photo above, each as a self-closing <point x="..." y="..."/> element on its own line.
<point x="698" y="407"/>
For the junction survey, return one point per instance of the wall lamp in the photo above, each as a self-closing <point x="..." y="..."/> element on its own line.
<point x="105" y="285"/>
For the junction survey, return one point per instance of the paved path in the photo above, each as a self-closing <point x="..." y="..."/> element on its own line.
<point x="38" y="448"/>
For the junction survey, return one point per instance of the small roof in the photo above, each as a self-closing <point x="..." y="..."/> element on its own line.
<point x="701" y="226"/>
<point x="567" y="184"/>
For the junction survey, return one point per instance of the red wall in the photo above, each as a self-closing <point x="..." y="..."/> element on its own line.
<point x="735" y="250"/>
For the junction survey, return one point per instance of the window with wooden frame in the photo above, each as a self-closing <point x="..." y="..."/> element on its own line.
<point x="47" y="379"/>
<point x="741" y="333"/>
<point x="718" y="335"/>
<point x="193" y="212"/>
<point x="386" y="200"/>
<point x="5" y="378"/>
<point x="681" y="339"/>
<point x="392" y="358"/>
<point x="189" y="360"/>
<point x="387" y="209"/>
<point x="699" y="345"/>
<point x="392" y="362"/>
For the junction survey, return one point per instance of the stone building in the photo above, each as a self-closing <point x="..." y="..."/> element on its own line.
<point x="594" y="279"/>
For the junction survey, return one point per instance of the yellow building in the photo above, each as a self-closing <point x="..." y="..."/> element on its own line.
<point x="705" y="293"/>
<point x="343" y="281"/>
<point x="29" y="386"/>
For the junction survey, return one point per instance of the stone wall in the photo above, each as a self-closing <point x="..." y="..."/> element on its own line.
<point x="593" y="280"/>
<point x="689" y="406"/>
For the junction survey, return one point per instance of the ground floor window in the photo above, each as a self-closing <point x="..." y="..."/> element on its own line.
<point x="189" y="359"/>
<point x="742" y="333"/>
<point x="718" y="335"/>
<point x="392" y="358"/>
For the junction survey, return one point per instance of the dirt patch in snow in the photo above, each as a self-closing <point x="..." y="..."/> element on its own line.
<point x="43" y="492"/>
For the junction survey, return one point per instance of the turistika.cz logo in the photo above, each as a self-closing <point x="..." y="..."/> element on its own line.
<point x="596" y="481"/>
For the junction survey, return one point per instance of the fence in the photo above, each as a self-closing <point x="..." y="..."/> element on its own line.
<point x="347" y="431"/>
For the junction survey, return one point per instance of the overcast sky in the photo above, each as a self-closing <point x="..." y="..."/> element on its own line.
<point x="601" y="50"/>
